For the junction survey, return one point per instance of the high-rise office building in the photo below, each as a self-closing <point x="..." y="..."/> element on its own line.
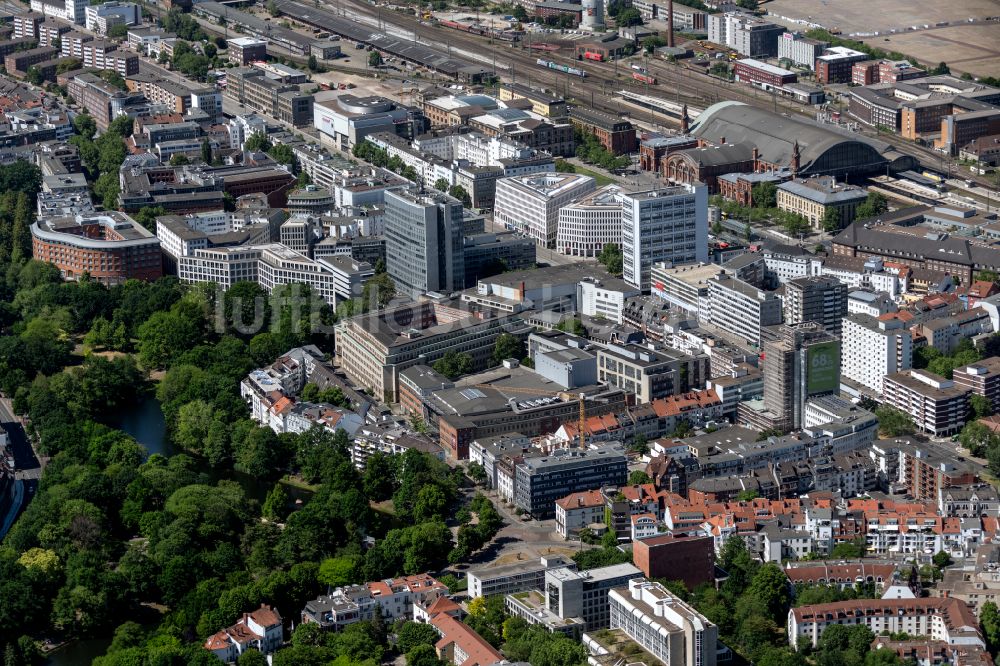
<point x="668" y="224"/>
<point x="819" y="299"/>
<point x="800" y="361"/>
<point x="424" y="242"/>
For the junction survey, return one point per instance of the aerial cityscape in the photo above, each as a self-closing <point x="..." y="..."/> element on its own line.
<point x="499" y="333"/>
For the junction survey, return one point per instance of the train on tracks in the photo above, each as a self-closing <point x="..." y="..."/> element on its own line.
<point x="562" y="68"/>
<point x="502" y="35"/>
<point x="644" y="78"/>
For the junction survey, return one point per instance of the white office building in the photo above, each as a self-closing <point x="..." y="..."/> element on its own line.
<point x="349" y="275"/>
<point x="223" y="265"/>
<point x="874" y="348"/>
<point x="269" y="265"/>
<point x="665" y="626"/>
<point x="531" y="204"/>
<point x="669" y="224"/>
<point x="98" y="18"/>
<point x="684" y="286"/>
<point x="71" y="11"/>
<point x="741" y="309"/>
<point x="279" y="265"/>
<point x="604" y="298"/>
<point x="588" y="224"/>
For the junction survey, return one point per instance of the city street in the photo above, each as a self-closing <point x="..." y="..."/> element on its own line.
<point x="521" y="540"/>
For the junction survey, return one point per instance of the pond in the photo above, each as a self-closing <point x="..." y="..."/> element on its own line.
<point x="79" y="653"/>
<point x="145" y="423"/>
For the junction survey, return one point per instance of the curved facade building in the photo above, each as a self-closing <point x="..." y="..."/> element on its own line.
<point x="111" y="247"/>
<point x="587" y="225"/>
<point x="736" y="138"/>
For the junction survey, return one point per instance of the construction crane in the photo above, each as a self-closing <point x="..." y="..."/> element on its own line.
<point x="581" y="397"/>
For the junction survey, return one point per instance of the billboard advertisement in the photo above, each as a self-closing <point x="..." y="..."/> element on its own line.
<point x="823" y="368"/>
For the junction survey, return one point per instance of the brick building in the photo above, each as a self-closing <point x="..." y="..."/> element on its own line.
<point x="836" y="64"/>
<point x="556" y="10"/>
<point x="981" y="378"/>
<point x="953" y="256"/>
<point x="653" y="149"/>
<point x="690" y="559"/>
<point x="615" y="134"/>
<point x="245" y="50"/>
<point x="111" y="247"/>
<point x="762" y="75"/>
<point x="19" y="62"/>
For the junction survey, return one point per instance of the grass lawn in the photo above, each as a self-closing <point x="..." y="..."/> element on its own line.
<point x="601" y="179"/>
<point x="297" y="482"/>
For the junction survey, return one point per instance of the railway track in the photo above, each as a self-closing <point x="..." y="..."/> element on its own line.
<point x="677" y="83"/>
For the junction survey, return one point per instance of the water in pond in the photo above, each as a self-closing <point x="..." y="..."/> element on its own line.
<point x="145" y="423"/>
<point x="79" y="653"/>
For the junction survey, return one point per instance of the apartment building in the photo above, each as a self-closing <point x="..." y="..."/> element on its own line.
<point x="874" y="348"/>
<point x="981" y="378"/>
<point x="26" y="25"/>
<point x="936" y="405"/>
<point x="819" y="299"/>
<point x="668" y="224"/>
<point x="740" y="308"/>
<point x="579" y="510"/>
<point x="541" y="481"/>
<point x="929" y="471"/>
<point x="940" y="618"/>
<point x="173" y="95"/>
<point x="946" y="333"/>
<point x="665" y="626"/>
<point x="394" y="597"/>
<point x="531" y="204"/>
<point x="19" y="62"/>
<point x="460" y="645"/>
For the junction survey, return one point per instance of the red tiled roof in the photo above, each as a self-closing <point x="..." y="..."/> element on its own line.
<point x="956" y="613"/>
<point x="586" y="498"/>
<point x="454" y="631"/>
<point x="840" y="571"/>
<point x="266" y="616"/>
<point x="676" y="405"/>
<point x="217" y="641"/>
<point x="442" y="605"/>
